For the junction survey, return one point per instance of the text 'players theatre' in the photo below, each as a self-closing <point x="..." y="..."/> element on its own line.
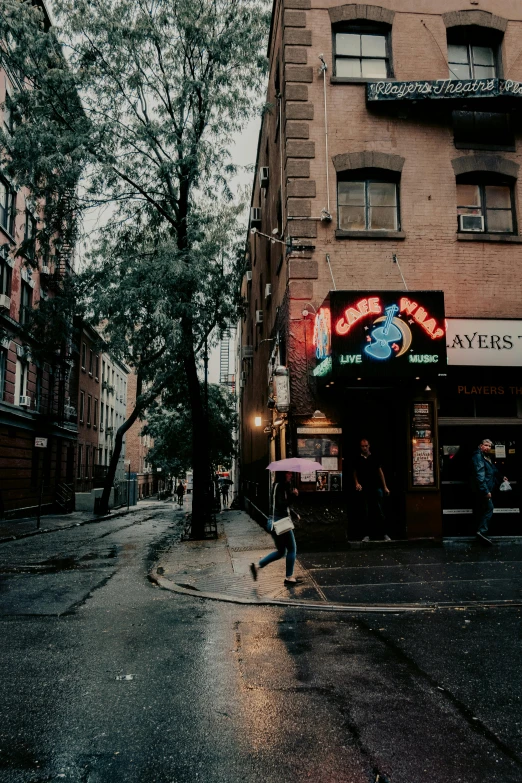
<point x="424" y="390"/>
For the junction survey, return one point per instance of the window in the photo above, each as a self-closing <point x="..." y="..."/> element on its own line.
<point x="5" y="277"/>
<point x="26" y="298"/>
<point x="368" y="204"/>
<point x="84" y="357"/>
<point x="95" y="414"/>
<point x="103" y="371"/>
<point x="101" y="414"/>
<point x="89" y="406"/>
<point x="8" y="117"/>
<point x="7" y="206"/>
<point x="473" y="53"/>
<point x="3" y="372"/>
<point x="20" y="381"/>
<point x="490" y="199"/>
<point x="91" y="362"/>
<point x="82" y="406"/>
<point x="362" y="53"/>
<point x="38" y="402"/>
<point x="29" y="234"/>
<point x="97" y="367"/>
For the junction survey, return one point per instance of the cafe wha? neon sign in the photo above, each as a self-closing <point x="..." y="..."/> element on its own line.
<point x="372" y="306"/>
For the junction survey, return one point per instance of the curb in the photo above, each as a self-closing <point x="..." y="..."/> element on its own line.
<point x="167" y="584"/>
<point x="31" y="533"/>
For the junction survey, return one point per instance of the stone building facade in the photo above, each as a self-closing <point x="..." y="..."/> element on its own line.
<point x="388" y="162"/>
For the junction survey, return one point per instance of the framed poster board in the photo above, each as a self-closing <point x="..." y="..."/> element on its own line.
<point x="422" y="446"/>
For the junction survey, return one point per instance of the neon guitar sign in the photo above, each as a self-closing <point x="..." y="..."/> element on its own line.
<point x="385" y="332"/>
<point x="384" y="336"/>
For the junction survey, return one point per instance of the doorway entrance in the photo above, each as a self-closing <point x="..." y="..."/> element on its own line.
<point x="456" y="446"/>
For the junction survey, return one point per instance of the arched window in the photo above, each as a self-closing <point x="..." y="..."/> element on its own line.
<point x="486" y="203"/>
<point x="362" y="51"/>
<point x="368" y="200"/>
<point x="474" y="53"/>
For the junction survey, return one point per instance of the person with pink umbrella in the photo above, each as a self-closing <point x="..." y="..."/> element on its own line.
<point x="282" y="493"/>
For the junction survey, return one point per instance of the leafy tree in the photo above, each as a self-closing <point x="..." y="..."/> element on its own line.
<point x="164" y="85"/>
<point x="171" y="427"/>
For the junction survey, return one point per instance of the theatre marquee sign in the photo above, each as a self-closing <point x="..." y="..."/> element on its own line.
<point x="482" y="342"/>
<point x="442" y="88"/>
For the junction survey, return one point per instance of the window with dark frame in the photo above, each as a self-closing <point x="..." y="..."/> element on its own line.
<point x="362" y="52"/>
<point x="6" y="274"/>
<point x="489" y="197"/>
<point x="84" y="357"/>
<point x="91" y="362"/>
<point x="95" y="414"/>
<point x="368" y="201"/>
<point x="473" y="53"/>
<point x="29" y="235"/>
<point x="89" y="406"/>
<point x="97" y="367"/>
<point x="7" y="206"/>
<point x="3" y="372"/>
<point x="82" y="406"/>
<point x="26" y="300"/>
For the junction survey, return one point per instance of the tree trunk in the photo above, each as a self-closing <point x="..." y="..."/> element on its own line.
<point x="109" y="479"/>
<point x="201" y="508"/>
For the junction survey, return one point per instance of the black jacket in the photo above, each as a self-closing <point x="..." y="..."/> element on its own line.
<point x="484" y="475"/>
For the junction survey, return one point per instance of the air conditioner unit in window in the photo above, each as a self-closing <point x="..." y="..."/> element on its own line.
<point x="263" y="176"/>
<point x="255" y="217"/>
<point x="25" y="401"/>
<point x="471" y="222"/>
<point x="268" y="290"/>
<point x="5" y="302"/>
<point x="247" y="351"/>
<point x="259" y="316"/>
<point x="248" y="276"/>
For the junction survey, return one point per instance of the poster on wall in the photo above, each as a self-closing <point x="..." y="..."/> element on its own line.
<point x="422" y="445"/>
<point x="322" y="481"/>
<point x="308" y="478"/>
<point x="330" y="463"/>
<point x="315" y="448"/>
<point x="336" y="482"/>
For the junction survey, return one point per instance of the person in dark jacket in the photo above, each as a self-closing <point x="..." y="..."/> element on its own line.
<point x="484" y="479"/>
<point x="282" y="495"/>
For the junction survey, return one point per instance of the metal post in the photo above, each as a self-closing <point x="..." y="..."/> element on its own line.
<point x="128" y="486"/>
<point x="40" y="499"/>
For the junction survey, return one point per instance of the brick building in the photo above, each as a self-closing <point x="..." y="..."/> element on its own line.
<point x="88" y="393"/>
<point x="391" y="158"/>
<point x="34" y="395"/>
<point x="138" y="446"/>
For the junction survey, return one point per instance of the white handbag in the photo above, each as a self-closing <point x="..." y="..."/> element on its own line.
<point x="282" y="525"/>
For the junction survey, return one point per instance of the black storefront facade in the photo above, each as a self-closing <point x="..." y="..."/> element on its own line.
<point x="391" y="368"/>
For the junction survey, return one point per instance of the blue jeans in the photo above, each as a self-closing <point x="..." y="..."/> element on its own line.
<point x="285" y="546"/>
<point x="483" y="511"/>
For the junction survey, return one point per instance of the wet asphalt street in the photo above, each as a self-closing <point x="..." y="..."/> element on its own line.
<point x="106" y="677"/>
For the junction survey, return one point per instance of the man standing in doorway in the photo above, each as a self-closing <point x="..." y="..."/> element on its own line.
<point x="371" y="484"/>
<point x="484" y="478"/>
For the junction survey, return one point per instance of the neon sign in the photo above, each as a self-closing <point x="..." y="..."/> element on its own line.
<point x="322" y="333"/>
<point x="420" y="315"/>
<point x="323" y="368"/>
<point x="387" y="332"/>
<point x="353" y="314"/>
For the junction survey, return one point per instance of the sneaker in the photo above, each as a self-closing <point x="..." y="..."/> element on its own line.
<point x="387" y="538"/>
<point x="253" y="571"/>
<point x="484" y="540"/>
<point x="366" y="539"/>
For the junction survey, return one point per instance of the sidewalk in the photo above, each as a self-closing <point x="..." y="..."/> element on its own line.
<point x="11" y="529"/>
<point x="394" y="577"/>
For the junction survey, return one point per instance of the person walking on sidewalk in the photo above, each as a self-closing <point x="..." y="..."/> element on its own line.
<point x="285" y="543"/>
<point x="180" y="491"/>
<point x="371" y="484"/>
<point x="485" y="477"/>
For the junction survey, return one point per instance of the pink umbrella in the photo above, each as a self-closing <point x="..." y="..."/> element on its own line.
<point x="295" y="465"/>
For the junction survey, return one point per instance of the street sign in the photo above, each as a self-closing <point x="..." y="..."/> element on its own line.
<point x="40" y="443"/>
